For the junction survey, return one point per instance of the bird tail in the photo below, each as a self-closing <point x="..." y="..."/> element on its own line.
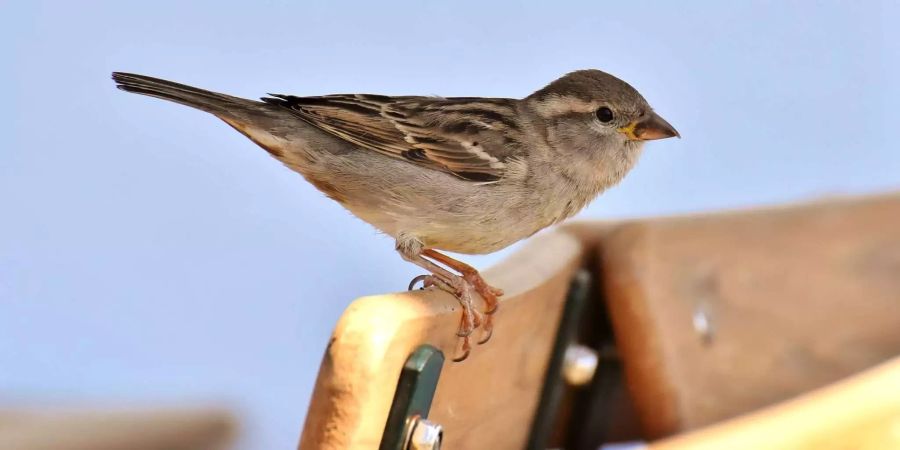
<point x="263" y="123"/>
<point x="208" y="101"/>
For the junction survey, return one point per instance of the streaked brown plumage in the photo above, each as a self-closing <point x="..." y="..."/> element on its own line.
<point x="437" y="133"/>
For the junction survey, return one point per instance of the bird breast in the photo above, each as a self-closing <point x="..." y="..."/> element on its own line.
<point x="456" y="215"/>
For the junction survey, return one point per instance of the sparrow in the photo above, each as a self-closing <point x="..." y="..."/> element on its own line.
<point x="468" y="175"/>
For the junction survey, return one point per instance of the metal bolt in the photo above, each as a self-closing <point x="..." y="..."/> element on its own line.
<point x="703" y="324"/>
<point x="579" y="364"/>
<point x="424" y="435"/>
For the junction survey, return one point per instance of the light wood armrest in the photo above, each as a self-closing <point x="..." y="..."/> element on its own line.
<point x="859" y="413"/>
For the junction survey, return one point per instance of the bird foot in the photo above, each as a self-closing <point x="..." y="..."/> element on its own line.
<point x="474" y="279"/>
<point x="470" y="319"/>
<point x="490" y="296"/>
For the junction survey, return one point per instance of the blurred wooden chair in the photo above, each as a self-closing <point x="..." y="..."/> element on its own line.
<point x="160" y="429"/>
<point x="705" y="328"/>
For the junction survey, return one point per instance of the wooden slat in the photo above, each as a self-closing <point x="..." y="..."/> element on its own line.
<point x="188" y="429"/>
<point x="486" y="401"/>
<point x="797" y="297"/>
<point x="860" y="413"/>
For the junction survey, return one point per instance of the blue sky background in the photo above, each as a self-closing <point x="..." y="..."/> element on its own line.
<point x="149" y="254"/>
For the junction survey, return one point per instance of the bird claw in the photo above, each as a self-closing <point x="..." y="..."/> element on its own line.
<point x="466" y="348"/>
<point x="489" y="332"/>
<point x="464" y="356"/>
<point x="425" y="279"/>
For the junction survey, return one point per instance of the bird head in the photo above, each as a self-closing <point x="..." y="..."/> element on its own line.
<point x="600" y="106"/>
<point x="590" y="110"/>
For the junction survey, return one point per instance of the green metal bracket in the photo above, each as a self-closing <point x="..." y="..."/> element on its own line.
<point x="415" y="390"/>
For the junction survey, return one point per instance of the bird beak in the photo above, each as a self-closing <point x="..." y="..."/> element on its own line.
<point x="649" y="128"/>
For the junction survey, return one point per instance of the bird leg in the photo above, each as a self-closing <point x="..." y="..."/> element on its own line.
<point x="488" y="293"/>
<point x="459" y="288"/>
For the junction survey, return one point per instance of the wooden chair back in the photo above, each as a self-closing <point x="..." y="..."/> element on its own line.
<point x="713" y="317"/>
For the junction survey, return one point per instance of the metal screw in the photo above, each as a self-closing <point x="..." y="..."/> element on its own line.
<point x="703" y="325"/>
<point x="424" y="435"/>
<point x="579" y="364"/>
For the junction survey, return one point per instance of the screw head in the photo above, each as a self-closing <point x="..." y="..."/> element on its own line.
<point x="703" y="324"/>
<point x="425" y="435"/>
<point x="579" y="364"/>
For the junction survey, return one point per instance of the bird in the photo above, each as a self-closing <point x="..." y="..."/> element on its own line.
<point x="468" y="175"/>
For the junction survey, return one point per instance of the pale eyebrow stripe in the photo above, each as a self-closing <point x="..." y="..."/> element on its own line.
<point x="557" y="105"/>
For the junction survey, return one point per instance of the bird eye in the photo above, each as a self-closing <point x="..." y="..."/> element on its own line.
<point x="604" y="114"/>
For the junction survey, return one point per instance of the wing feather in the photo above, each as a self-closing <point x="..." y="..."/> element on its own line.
<point x="472" y="138"/>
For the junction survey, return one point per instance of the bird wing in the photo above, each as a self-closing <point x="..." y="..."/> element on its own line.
<point x="472" y="138"/>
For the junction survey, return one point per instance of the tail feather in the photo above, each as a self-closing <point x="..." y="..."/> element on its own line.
<point x="263" y="123"/>
<point x="208" y="101"/>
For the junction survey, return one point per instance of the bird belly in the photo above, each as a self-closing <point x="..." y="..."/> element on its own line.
<point x="442" y="211"/>
<point x="472" y="240"/>
<point x="443" y="232"/>
<point x="464" y="226"/>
